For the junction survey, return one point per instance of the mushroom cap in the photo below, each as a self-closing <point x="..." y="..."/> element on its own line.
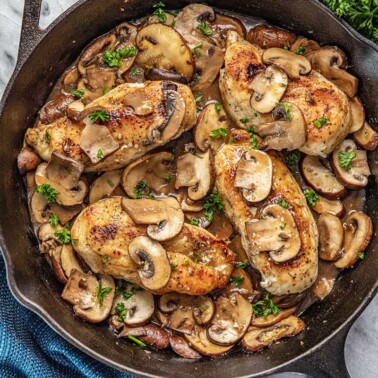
<point x="276" y="233"/>
<point x="154" y="269"/>
<point x="180" y="346"/>
<point x="331" y="237"/>
<point x="27" y="160"/>
<point x="104" y="185"/>
<point x="254" y="174"/>
<point x="324" y="205"/>
<point x="267" y="36"/>
<point x="149" y="334"/>
<point x="68" y="260"/>
<point x="268" y="88"/>
<point x="358" y="114"/>
<point x="271" y="319"/>
<point x="366" y="137"/>
<point x="293" y="64"/>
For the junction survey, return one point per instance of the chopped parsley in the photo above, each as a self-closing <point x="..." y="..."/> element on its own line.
<point x="100" y="154"/>
<point x="252" y="137"/>
<point x="47" y="191"/>
<point x="136" y="341"/>
<point x="218" y="106"/>
<point x="196" y="259"/>
<point x="79" y="93"/>
<point x="194" y="221"/>
<point x="321" y="122"/>
<point x="283" y="85"/>
<point x="212" y="204"/>
<point x="265" y="307"/>
<point x="203" y="309"/>
<point x="120" y="289"/>
<point x="284" y="204"/>
<point x="241" y="265"/>
<point x="282" y="225"/>
<point x="140" y="188"/>
<point x="159" y="11"/>
<point x="99" y="116"/>
<point x="172" y="23"/>
<point x="300" y="50"/>
<point x="128" y="294"/>
<point x="151" y="196"/>
<point x="102" y="292"/>
<point x="199" y="97"/>
<point x="54" y="220"/>
<point x="311" y="196"/>
<point x="286" y="107"/>
<point x="134" y="71"/>
<point x="104" y="89"/>
<point x="114" y="58"/>
<point x="244" y="120"/>
<point x="110" y="183"/>
<point x="121" y="311"/>
<point x="64" y="236"/>
<point x="173" y="12"/>
<point x="205" y="29"/>
<point x="173" y="266"/>
<point x="361" y="255"/>
<point x="168" y="178"/>
<point x="47" y="136"/>
<point x="105" y="259"/>
<point x="196" y="50"/>
<point x="293" y="158"/>
<point x="218" y="133"/>
<point x="236" y="280"/>
<point x="345" y="159"/>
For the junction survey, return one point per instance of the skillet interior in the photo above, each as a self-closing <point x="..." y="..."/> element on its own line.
<point x="31" y="279"/>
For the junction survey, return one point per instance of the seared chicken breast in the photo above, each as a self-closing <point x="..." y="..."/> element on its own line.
<point x="136" y="133"/>
<point x="314" y="95"/>
<point x="200" y="262"/>
<point x="296" y="274"/>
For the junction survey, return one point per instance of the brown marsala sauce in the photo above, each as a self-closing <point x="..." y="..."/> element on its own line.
<point x="354" y="200"/>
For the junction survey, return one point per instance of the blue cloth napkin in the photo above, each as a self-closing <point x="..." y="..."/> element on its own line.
<point x="30" y="348"/>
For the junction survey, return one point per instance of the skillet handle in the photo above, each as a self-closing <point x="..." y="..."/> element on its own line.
<point x="31" y="33"/>
<point x="327" y="361"/>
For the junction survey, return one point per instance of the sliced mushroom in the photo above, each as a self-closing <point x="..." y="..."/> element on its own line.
<point x="289" y="301"/>
<point x="259" y="338"/>
<point x="199" y="341"/>
<point x="154" y="170"/>
<point x="83" y="292"/>
<point x="244" y="286"/>
<point x="27" y="160"/>
<point x="138" y="101"/>
<point x="69" y="79"/>
<point x="358" y="232"/>
<point x="305" y="45"/>
<point x="288" y="131"/>
<point x="55" y="108"/>
<point x="232" y="317"/>
<point x="293" y="64"/>
<point x="358" y="114"/>
<point x="187" y="205"/>
<point x="149" y="334"/>
<point x="63" y="174"/>
<point x="68" y="260"/>
<point x="221" y="227"/>
<point x="154" y="19"/>
<point x="331" y="236"/>
<point x="275" y="232"/>
<point x="155" y="74"/>
<point x="164" y="216"/>
<point x="254" y="174"/>
<point x="355" y="174"/>
<point x="366" y="137"/>
<point x="317" y="173"/>
<point x="75" y="109"/>
<point x="267" y="37"/>
<point x="324" y="205"/>
<point x="268" y="88"/>
<point x="323" y="287"/>
<point x="197" y="173"/>
<point x="97" y="141"/>
<point x="105" y="185"/>
<point x="154" y="269"/>
<point x="46" y="235"/>
<point x="331" y="62"/>
<point x="162" y="47"/>
<point x="140" y="306"/>
<point x="271" y="319"/>
<point x="180" y="346"/>
<point x="212" y="128"/>
<point x="223" y="24"/>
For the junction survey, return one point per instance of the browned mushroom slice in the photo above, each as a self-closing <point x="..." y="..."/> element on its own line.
<point x="254" y="174"/>
<point x="259" y="338"/>
<point x="212" y="128"/>
<point x="155" y="74"/>
<point x="27" y="160"/>
<point x="162" y="47"/>
<point x="293" y="64"/>
<point x="331" y="236"/>
<point x="104" y="185"/>
<point x="187" y="205"/>
<point x="139" y="305"/>
<point x="317" y="173"/>
<point x="221" y="227"/>
<point x="358" y="114"/>
<point x="154" y="19"/>
<point x="154" y="269"/>
<point x="97" y="141"/>
<point x="69" y="79"/>
<point x="331" y="62"/>
<point x="358" y="232"/>
<point x="68" y="260"/>
<point x="304" y="46"/>
<point x="231" y="320"/>
<point x="91" y="299"/>
<point x="180" y="346"/>
<point x="268" y="88"/>
<point x="275" y="232"/>
<point x="223" y="24"/>
<point x="75" y="110"/>
<point x="366" y="137"/>
<point x="270" y="36"/>
<point x="199" y="341"/>
<point x="138" y="101"/>
<point x="197" y="173"/>
<point x="288" y="131"/>
<point x="324" y="205"/>
<point x="323" y="287"/>
<point x="126" y="36"/>
<point x="164" y="216"/>
<point x="55" y="108"/>
<point x="351" y="165"/>
<point x="241" y="284"/>
<point x="150" y="334"/>
<point x="271" y="319"/>
<point x="153" y="170"/>
<point x="63" y="174"/>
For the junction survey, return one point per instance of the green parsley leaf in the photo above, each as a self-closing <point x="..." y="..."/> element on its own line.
<point x="218" y="106"/>
<point x="218" y="133"/>
<point x="54" y="220"/>
<point x="232" y="139"/>
<point x="121" y="311"/>
<point x="99" y="116"/>
<point x="203" y="309"/>
<point x="282" y="225"/>
<point x="160" y="4"/>
<point x="265" y="307"/>
<point x="285" y="47"/>
<point x="128" y="294"/>
<point x="311" y="196"/>
<point x="114" y="58"/>
<point x="168" y="178"/>
<point x="110" y="183"/>
<point x="252" y="137"/>
<point x="284" y="204"/>
<point x="105" y="259"/>
<point x="236" y="280"/>
<point x="47" y="191"/>
<point x="172" y="23"/>
<point x="199" y="97"/>
<point x="244" y="120"/>
<point x="292" y="159"/>
<point x="196" y="259"/>
<point x="140" y="188"/>
<point x="134" y="71"/>
<point x="102" y="292"/>
<point x="120" y="289"/>
<point x="136" y="341"/>
<point x="283" y="85"/>
<point x="79" y="93"/>
<point x="212" y="204"/>
<point x="286" y="107"/>
<point x="241" y="265"/>
<point x="205" y="29"/>
<point x="173" y="12"/>
<point x="160" y="14"/>
<point x="173" y="266"/>
<point x="104" y="89"/>
<point x="100" y="154"/>
<point x="195" y="221"/>
<point x="320" y="122"/>
<point x="150" y="196"/>
<point x="345" y="159"/>
<point x="64" y="236"/>
<point x="300" y="50"/>
<point x="196" y="50"/>
<point x="47" y="136"/>
<point x="361" y="255"/>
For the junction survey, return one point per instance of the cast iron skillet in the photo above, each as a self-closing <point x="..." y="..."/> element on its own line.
<point x="43" y="56"/>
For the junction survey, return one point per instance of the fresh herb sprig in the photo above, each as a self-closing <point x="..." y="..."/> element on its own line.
<point x="213" y="204"/>
<point x="265" y="307"/>
<point x="345" y="159"/>
<point x="48" y="192"/>
<point x="218" y="133"/>
<point x="102" y="292"/>
<point x="311" y="196"/>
